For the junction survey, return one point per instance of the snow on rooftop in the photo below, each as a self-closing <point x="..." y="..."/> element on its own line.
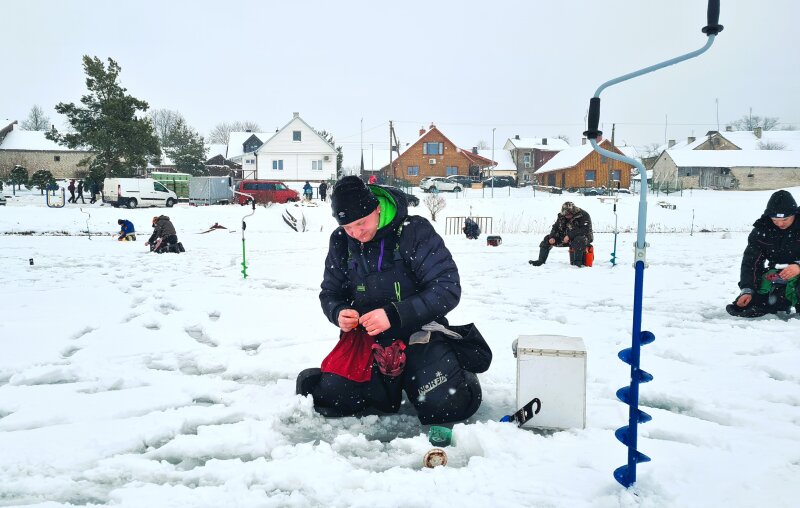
<point x="536" y="143"/>
<point x="566" y="158"/>
<point x="19" y="139"/>
<point x="736" y="158"/>
<point x="501" y="157"/>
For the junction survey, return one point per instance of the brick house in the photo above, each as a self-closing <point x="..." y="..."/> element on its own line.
<point x="433" y="154"/>
<point x="581" y="167"/>
<point x="529" y="154"/>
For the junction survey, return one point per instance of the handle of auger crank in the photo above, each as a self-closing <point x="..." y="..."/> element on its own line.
<point x="713" y="27"/>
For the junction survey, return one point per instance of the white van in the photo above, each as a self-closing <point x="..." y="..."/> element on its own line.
<point x="133" y="192"/>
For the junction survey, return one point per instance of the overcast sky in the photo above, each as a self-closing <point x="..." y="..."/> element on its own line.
<point x="522" y="67"/>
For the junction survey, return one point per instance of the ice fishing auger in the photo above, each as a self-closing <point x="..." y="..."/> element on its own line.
<point x="87" y="222"/>
<point x="626" y="475"/>
<point x="252" y="201"/>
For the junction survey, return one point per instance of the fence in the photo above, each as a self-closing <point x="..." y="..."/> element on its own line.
<point x="455" y="225"/>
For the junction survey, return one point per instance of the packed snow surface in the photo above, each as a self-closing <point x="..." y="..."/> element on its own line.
<point x="134" y="379"/>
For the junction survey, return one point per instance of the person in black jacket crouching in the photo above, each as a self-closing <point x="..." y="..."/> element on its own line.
<point x="771" y="263"/>
<point x="388" y="284"/>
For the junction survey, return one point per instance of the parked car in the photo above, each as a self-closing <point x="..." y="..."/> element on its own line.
<point x="135" y="192"/>
<point x="438" y="184"/>
<point x="2" y="200"/>
<point x="264" y="191"/>
<point x="463" y="180"/>
<point x="500" y="181"/>
<point x="412" y="199"/>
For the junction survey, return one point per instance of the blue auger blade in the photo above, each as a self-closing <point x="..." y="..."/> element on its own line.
<point x="643" y="377"/>
<point x="622" y="434"/>
<point x="640" y="457"/>
<point x="646" y="337"/>
<point x="643" y="417"/>
<point x="625" y="355"/>
<point x="624" y="394"/>
<point x="623" y="476"/>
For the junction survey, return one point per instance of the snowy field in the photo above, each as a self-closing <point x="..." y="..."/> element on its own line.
<point x="134" y="379"/>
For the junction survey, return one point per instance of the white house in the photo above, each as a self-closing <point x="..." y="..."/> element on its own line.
<point x="295" y="153"/>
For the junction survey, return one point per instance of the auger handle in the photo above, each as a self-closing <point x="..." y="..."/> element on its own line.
<point x="713" y="27"/>
<point x="594" y="119"/>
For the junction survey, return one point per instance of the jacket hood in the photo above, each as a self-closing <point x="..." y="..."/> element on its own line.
<point x="400" y="203"/>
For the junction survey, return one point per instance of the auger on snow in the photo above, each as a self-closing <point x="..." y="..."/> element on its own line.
<point x="626" y="475"/>
<point x="252" y="201"/>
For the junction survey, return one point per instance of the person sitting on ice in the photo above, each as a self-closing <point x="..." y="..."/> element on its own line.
<point x="573" y="229"/>
<point x="127" y="232"/>
<point x="308" y="191"/>
<point x="164" y="237"/>
<point x="388" y="283"/>
<point x="771" y="261"/>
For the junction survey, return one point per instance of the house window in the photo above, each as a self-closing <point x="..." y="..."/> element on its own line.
<point x="249" y="161"/>
<point x="277" y="165"/>
<point x="615" y="175"/>
<point x="589" y="175"/>
<point x="56" y="158"/>
<point x="452" y="170"/>
<point x="297" y="136"/>
<point x="603" y="159"/>
<point x="433" y="148"/>
<point x="526" y="158"/>
<point x="316" y="165"/>
<point x="413" y="170"/>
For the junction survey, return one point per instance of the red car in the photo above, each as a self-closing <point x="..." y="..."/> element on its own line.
<point x="264" y="191"/>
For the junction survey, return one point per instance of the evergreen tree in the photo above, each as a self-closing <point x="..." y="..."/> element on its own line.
<point x="108" y="125"/>
<point x="41" y="179"/>
<point x="327" y="136"/>
<point x="19" y="177"/>
<point x="36" y="121"/>
<point x="186" y="149"/>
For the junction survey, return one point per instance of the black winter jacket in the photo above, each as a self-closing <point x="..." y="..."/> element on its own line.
<point x="767" y="246"/>
<point x="405" y="269"/>
<point x="162" y="229"/>
<point x="579" y="225"/>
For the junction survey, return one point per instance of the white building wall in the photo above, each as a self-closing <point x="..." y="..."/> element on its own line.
<point x="298" y="156"/>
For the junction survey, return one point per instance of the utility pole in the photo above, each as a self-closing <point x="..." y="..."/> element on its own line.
<point x="491" y="171"/>
<point x="391" y="166"/>
<point x="613" y="128"/>
<point x="717" y="102"/>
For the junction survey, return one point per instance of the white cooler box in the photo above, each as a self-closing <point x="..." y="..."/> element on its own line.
<point x="552" y="368"/>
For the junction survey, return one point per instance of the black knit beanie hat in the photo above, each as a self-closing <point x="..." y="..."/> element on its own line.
<point x="352" y="200"/>
<point x="781" y="204"/>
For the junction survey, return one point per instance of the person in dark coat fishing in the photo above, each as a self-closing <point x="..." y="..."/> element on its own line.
<point x="768" y="279"/>
<point x="389" y="282"/>
<point x="164" y="237"/>
<point x="573" y="229"/>
<point x="323" y="190"/>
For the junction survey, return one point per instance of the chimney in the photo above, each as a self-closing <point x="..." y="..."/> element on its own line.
<point x="516" y="136"/>
<point x="432" y="126"/>
<point x="421" y="131"/>
<point x="690" y="139"/>
<point x="757" y="132"/>
<point x="296" y="114"/>
<point x="670" y="143"/>
<point x="248" y="130"/>
<point x="475" y="150"/>
<point x="583" y="141"/>
<point x="728" y="128"/>
<point x="544" y="141"/>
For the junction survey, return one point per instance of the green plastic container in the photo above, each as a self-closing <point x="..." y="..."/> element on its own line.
<point x="440" y="436"/>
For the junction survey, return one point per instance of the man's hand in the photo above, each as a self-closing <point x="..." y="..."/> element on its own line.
<point x="743" y="300"/>
<point x="375" y="321"/>
<point x="348" y="319"/>
<point x="566" y="238"/>
<point x="790" y="272"/>
<point x="551" y="241"/>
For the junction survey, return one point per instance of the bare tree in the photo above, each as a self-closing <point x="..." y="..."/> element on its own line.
<point x="435" y="204"/>
<point x="482" y="145"/>
<point x="563" y="137"/>
<point x="164" y="122"/>
<point x="37" y="120"/>
<point x="221" y="132"/>
<point x="771" y="145"/>
<point x="750" y="122"/>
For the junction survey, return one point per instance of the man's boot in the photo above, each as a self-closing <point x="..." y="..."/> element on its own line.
<point x="576" y="257"/>
<point x="543" y="252"/>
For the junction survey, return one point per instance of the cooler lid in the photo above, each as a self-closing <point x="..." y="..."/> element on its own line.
<point x="550" y="345"/>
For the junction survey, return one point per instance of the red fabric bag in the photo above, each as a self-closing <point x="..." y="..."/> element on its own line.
<point x="351" y="358"/>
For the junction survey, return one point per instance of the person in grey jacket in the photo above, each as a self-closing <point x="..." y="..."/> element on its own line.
<point x="164" y="237"/>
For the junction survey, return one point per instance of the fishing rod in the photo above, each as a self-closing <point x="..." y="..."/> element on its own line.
<point x="626" y="475"/>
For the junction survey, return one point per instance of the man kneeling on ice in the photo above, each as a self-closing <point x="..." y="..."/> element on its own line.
<point x="771" y="262"/>
<point x="389" y="281"/>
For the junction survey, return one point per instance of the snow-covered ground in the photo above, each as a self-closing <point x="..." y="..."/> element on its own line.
<point x="134" y="379"/>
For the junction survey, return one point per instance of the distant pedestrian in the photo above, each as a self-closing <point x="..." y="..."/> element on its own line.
<point x="308" y="191"/>
<point x="323" y="190"/>
<point x="80" y="192"/>
<point x="95" y="190"/>
<point x="71" y="189"/>
<point x="373" y="179"/>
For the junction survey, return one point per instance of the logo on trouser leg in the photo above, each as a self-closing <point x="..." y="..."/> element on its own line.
<point x="440" y="379"/>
